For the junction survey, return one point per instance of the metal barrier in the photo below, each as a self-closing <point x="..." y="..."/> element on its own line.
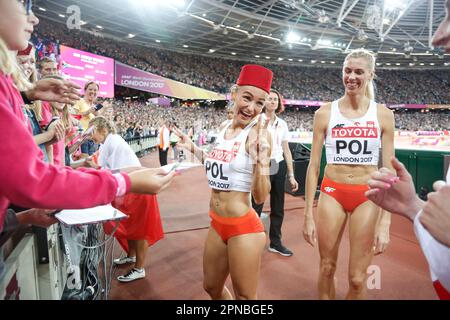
<point x="142" y="143"/>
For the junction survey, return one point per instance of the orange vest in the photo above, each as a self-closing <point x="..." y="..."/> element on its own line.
<point x="161" y="139"/>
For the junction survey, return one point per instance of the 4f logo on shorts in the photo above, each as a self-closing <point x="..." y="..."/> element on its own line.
<point x="329" y="189"/>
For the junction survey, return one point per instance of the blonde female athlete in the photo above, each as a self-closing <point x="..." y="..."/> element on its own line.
<point x="354" y="128"/>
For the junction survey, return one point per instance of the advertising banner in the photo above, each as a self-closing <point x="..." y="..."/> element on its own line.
<point x="81" y="67"/>
<point x="134" y="78"/>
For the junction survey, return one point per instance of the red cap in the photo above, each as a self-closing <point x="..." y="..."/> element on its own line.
<point x="256" y="76"/>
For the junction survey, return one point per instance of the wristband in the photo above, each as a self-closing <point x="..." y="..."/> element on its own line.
<point x="25" y="98"/>
<point x="127" y="182"/>
<point x="123" y="184"/>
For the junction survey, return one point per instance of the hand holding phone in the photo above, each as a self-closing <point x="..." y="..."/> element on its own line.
<point x="98" y="106"/>
<point x="176" y="165"/>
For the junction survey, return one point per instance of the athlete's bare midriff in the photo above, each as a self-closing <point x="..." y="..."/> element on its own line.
<point x="230" y="203"/>
<point x="348" y="173"/>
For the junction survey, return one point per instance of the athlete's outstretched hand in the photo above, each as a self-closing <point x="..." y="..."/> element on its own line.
<point x="185" y="142"/>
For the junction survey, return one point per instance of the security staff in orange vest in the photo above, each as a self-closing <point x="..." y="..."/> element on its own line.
<point x="164" y="140"/>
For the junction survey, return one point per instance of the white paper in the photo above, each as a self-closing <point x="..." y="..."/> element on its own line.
<point x="91" y="215"/>
<point x="181" y="166"/>
<point x="80" y="161"/>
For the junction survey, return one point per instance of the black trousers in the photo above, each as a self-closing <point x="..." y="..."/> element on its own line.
<point x="163" y="156"/>
<point x="277" y="181"/>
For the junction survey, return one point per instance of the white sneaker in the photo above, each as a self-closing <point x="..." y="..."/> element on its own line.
<point x="124" y="260"/>
<point x="132" y="275"/>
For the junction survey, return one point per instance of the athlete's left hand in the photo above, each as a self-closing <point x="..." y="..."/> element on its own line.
<point x="259" y="145"/>
<point x="381" y="240"/>
<point x="185" y="142"/>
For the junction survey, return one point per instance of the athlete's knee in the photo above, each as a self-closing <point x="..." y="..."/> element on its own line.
<point x="245" y="295"/>
<point x="214" y="290"/>
<point x="327" y="267"/>
<point x="357" y="281"/>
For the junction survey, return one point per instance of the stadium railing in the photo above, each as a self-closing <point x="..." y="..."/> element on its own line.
<point x="140" y="144"/>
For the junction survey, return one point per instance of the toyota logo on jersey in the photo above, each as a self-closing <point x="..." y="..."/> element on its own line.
<point x="224" y="155"/>
<point x="354" y="132"/>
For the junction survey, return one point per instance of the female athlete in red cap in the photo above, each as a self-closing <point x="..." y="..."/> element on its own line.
<point x="238" y="165"/>
<point x="354" y="129"/>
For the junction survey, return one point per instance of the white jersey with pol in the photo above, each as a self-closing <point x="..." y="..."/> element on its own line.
<point x="353" y="141"/>
<point x="228" y="166"/>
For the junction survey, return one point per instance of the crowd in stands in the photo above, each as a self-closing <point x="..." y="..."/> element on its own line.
<point x="418" y="120"/>
<point x="294" y="82"/>
<point x="137" y="119"/>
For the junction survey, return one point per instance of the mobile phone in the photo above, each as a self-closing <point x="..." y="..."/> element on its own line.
<point x="98" y="106"/>
<point x="176" y="165"/>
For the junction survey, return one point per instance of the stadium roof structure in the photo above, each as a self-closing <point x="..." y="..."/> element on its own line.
<point x="298" y="32"/>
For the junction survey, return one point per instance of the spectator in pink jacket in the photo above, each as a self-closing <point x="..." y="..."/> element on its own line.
<point x="25" y="179"/>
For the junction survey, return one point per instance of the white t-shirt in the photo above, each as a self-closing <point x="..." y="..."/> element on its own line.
<point x="115" y="153"/>
<point x="279" y="132"/>
<point x="437" y="254"/>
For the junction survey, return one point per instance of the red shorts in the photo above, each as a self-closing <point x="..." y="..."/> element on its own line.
<point x="232" y="227"/>
<point x="349" y="196"/>
<point x="143" y="223"/>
